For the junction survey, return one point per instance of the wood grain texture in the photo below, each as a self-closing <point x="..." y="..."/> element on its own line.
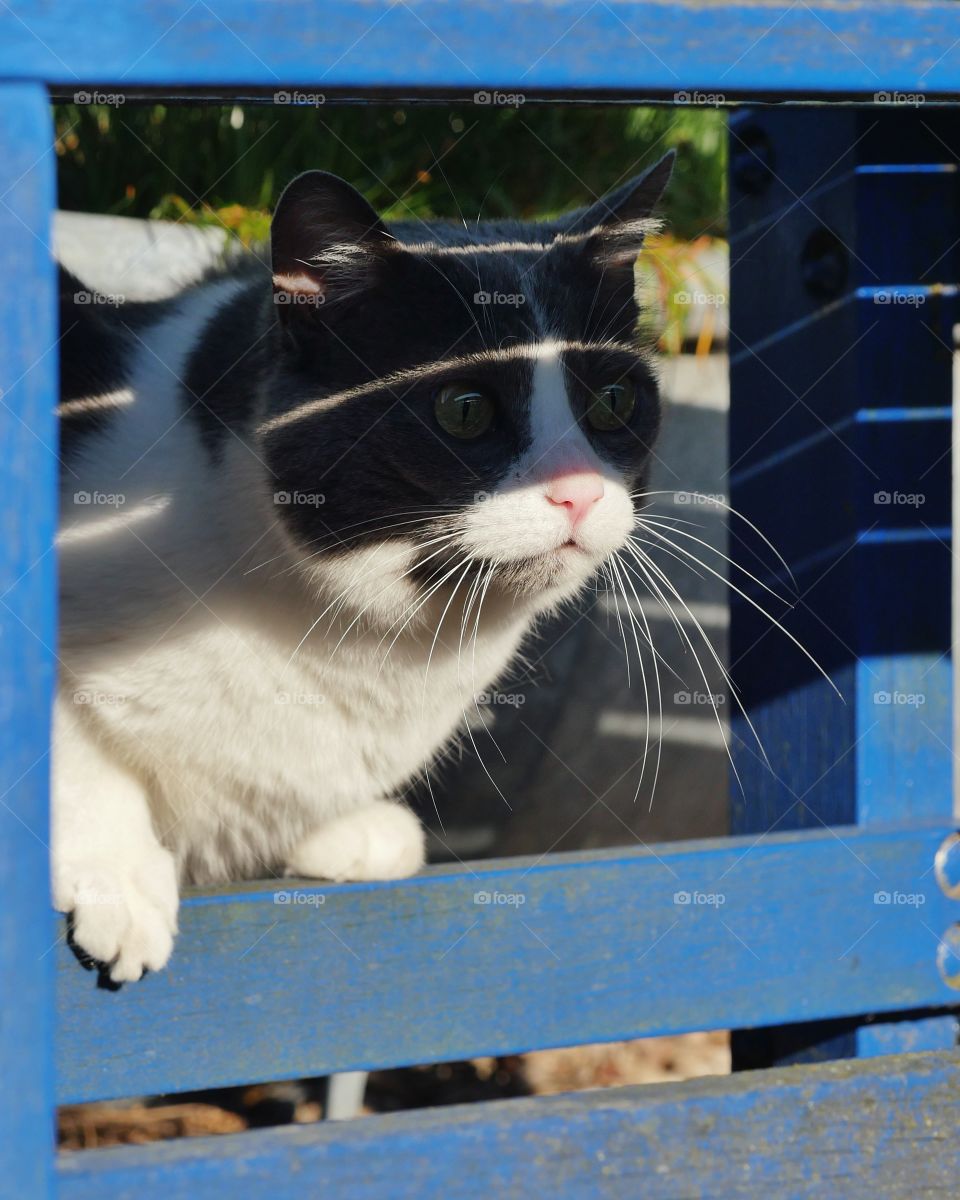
<point x="28" y="465"/>
<point x="576" y="948"/>
<point x="632" y="46"/>
<point x="882" y="1127"/>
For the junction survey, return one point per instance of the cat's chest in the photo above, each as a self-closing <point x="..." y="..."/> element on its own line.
<point x="337" y="721"/>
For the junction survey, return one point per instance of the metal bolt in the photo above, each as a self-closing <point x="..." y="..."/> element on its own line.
<point x="946" y="866"/>
<point x="751" y="161"/>
<point x="948" y="957"/>
<point x="824" y="264"/>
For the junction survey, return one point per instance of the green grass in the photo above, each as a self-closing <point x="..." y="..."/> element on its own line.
<point x="230" y="164"/>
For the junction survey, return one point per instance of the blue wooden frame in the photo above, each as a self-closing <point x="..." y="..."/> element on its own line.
<point x="609" y="950"/>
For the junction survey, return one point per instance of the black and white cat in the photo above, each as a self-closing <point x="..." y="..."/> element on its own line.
<point x="305" y="523"/>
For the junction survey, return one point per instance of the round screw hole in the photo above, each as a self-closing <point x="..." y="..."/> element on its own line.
<point x="752" y="164"/>
<point x="824" y="265"/>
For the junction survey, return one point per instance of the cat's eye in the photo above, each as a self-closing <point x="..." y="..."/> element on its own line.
<point x="611" y="406"/>
<point x="463" y="411"/>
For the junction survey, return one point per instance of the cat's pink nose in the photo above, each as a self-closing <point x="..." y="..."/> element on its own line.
<point x="577" y="492"/>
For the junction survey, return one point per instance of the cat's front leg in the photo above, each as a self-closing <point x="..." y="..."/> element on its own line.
<point x="109" y="871"/>
<point x="381" y="840"/>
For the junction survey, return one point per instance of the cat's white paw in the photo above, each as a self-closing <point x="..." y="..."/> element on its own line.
<point x="383" y="840"/>
<point x="124" y="912"/>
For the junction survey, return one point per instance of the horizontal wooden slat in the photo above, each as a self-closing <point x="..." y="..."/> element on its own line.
<point x="574" y="948"/>
<point x="635" y="46"/>
<point x="882" y="1127"/>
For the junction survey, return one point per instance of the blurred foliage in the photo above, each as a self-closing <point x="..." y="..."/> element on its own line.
<point x="227" y="165"/>
<point x="669" y="267"/>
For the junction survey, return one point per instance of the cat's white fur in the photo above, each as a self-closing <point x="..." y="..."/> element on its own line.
<point x="199" y="735"/>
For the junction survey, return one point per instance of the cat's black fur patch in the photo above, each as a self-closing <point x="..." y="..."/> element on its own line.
<point x="98" y="340"/>
<point x="94" y="357"/>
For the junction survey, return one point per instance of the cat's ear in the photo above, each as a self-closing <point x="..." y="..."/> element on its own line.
<point x="325" y="241"/>
<point x="614" y="227"/>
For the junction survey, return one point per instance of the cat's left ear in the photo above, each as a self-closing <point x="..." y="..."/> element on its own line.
<point x="615" y="226"/>
<point x="325" y="241"/>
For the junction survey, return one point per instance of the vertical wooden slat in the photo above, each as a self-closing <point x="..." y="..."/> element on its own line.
<point x="844" y="268"/>
<point x="28" y="470"/>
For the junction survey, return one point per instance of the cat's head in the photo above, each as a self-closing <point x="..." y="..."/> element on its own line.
<point x="451" y="399"/>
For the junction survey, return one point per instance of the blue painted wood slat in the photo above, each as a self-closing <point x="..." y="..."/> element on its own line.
<point x="881" y="1127"/>
<point x="28" y="438"/>
<point x="841" y="394"/>
<point x="509" y="956"/>
<point x="571" y="46"/>
<point x="619" y="953"/>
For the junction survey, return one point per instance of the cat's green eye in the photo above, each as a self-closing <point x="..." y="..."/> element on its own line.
<point x="611" y="406"/>
<point x="463" y="411"/>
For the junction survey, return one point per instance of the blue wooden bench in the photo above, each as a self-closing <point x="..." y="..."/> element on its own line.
<point x="838" y="938"/>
